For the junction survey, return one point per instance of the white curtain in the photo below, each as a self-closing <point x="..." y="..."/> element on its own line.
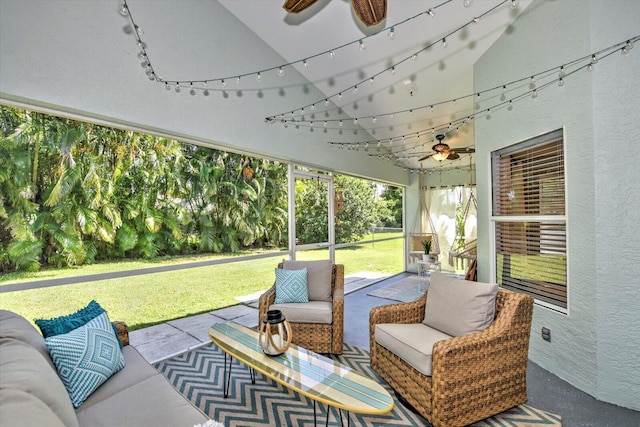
<point x="442" y="203"/>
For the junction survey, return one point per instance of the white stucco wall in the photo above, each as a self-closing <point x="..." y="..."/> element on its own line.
<point x="595" y="346"/>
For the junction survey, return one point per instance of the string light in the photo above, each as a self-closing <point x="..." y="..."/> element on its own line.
<point x="456" y="125"/>
<point x="444" y="42"/>
<point x="280" y="71"/>
<point x="514" y="4"/>
<point x="362" y="45"/>
<point x="390" y="31"/>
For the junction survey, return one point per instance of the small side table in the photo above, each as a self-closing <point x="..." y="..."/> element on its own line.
<point x="425" y="268"/>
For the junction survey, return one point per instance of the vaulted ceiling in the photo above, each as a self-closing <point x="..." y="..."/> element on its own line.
<point x="376" y="88"/>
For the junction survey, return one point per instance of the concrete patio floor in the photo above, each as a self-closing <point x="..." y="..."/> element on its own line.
<point x="158" y="342"/>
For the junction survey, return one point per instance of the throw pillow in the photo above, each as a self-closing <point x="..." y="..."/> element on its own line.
<point x="64" y="324"/>
<point x="291" y="286"/>
<point x="318" y="277"/>
<point x="459" y="307"/>
<point x="86" y="357"/>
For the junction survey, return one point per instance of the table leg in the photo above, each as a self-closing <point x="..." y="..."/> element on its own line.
<point x="226" y="377"/>
<point x="252" y="373"/>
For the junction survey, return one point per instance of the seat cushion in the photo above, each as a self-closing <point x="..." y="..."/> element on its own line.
<point x="411" y="342"/>
<point x="86" y="357"/>
<point x="151" y="402"/>
<point x="291" y="286"/>
<point x="24" y="370"/>
<point x="459" y="307"/>
<point x="310" y="312"/>
<point x="136" y="370"/>
<point x="318" y="277"/>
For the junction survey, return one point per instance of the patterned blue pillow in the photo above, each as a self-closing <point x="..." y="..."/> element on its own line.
<point x="86" y="357"/>
<point x="291" y="286"/>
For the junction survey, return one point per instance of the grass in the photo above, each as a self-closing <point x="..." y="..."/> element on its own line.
<point x="150" y="299"/>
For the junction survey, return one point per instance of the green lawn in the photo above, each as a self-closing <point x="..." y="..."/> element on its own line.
<point x="149" y="299"/>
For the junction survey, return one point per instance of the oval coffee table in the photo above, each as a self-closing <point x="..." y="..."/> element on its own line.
<point x="310" y="374"/>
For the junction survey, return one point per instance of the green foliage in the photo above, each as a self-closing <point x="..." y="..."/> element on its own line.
<point x="74" y="193"/>
<point x="390" y="207"/>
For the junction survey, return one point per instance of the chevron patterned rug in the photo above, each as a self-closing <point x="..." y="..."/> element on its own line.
<point x="197" y="374"/>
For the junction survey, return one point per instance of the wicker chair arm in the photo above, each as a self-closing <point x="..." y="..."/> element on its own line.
<point x="404" y="312"/>
<point x="123" y="332"/>
<point x="265" y="300"/>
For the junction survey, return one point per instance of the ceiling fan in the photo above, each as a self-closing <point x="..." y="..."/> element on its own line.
<point x="442" y="151"/>
<point x="370" y="12"/>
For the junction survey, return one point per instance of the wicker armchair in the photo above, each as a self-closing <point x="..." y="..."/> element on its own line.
<point x="317" y="337"/>
<point x="473" y="376"/>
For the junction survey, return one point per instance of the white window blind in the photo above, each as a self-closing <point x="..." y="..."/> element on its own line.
<point x="529" y="218"/>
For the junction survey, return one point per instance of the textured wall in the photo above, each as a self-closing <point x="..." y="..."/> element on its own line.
<point x="616" y="94"/>
<point x="592" y="346"/>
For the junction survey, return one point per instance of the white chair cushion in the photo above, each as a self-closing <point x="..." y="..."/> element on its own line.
<point x="318" y="277"/>
<point x="310" y="312"/>
<point x="459" y="307"/>
<point x="411" y="342"/>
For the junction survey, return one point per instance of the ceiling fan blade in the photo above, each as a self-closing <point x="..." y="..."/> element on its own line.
<point x="370" y="12"/>
<point x="425" y="157"/>
<point x="466" y="150"/>
<point x="453" y="156"/>
<point x="295" y="6"/>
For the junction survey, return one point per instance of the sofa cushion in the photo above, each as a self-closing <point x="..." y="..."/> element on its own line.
<point x="411" y="342"/>
<point x="19" y="328"/>
<point x="24" y="370"/>
<point x="136" y="369"/>
<point x="86" y="357"/>
<point x="151" y="402"/>
<point x="318" y="277"/>
<point x="18" y="406"/>
<point x="459" y="307"/>
<point x="310" y="312"/>
<point x="291" y="286"/>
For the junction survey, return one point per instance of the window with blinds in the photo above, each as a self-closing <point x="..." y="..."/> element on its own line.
<point x="528" y="212"/>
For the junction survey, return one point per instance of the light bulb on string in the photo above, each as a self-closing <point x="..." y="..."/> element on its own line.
<point x="561" y="73"/>
<point x="415" y="56"/>
<point x="326" y="102"/>
<point x="627" y="47"/>
<point x="166" y="86"/>
<point x="392" y="33"/>
<point x="534" y="94"/>
<point x="139" y="30"/>
<point x="224" y="84"/>
<point x="280" y="71"/>
<point x="340" y="123"/>
<point x="393" y="70"/>
<point x="177" y="89"/>
<point x="431" y="13"/>
<point x="514" y="4"/>
<point x="371" y="80"/>
<point x="373" y="119"/>
<point x="362" y="45"/>
<point x="560" y="82"/>
<point x="123" y="10"/>
<point x="258" y="76"/>
<point x="444" y="43"/>
<point x="467" y="3"/>
<point x="476" y="20"/>
<point x="332" y="54"/>
<point x="355" y="89"/>
<point x="305" y="64"/>
<point x="340" y="95"/>
<point x="238" y="80"/>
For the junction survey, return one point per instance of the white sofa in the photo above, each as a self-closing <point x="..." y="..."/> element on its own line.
<point x="32" y="394"/>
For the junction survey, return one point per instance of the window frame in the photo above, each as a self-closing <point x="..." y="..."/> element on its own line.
<point x="495" y="219"/>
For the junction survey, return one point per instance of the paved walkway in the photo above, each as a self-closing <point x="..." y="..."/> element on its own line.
<point x="176" y="336"/>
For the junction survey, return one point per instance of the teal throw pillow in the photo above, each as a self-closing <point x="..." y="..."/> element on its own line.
<point x="291" y="286"/>
<point x="64" y="324"/>
<point x="86" y="357"/>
